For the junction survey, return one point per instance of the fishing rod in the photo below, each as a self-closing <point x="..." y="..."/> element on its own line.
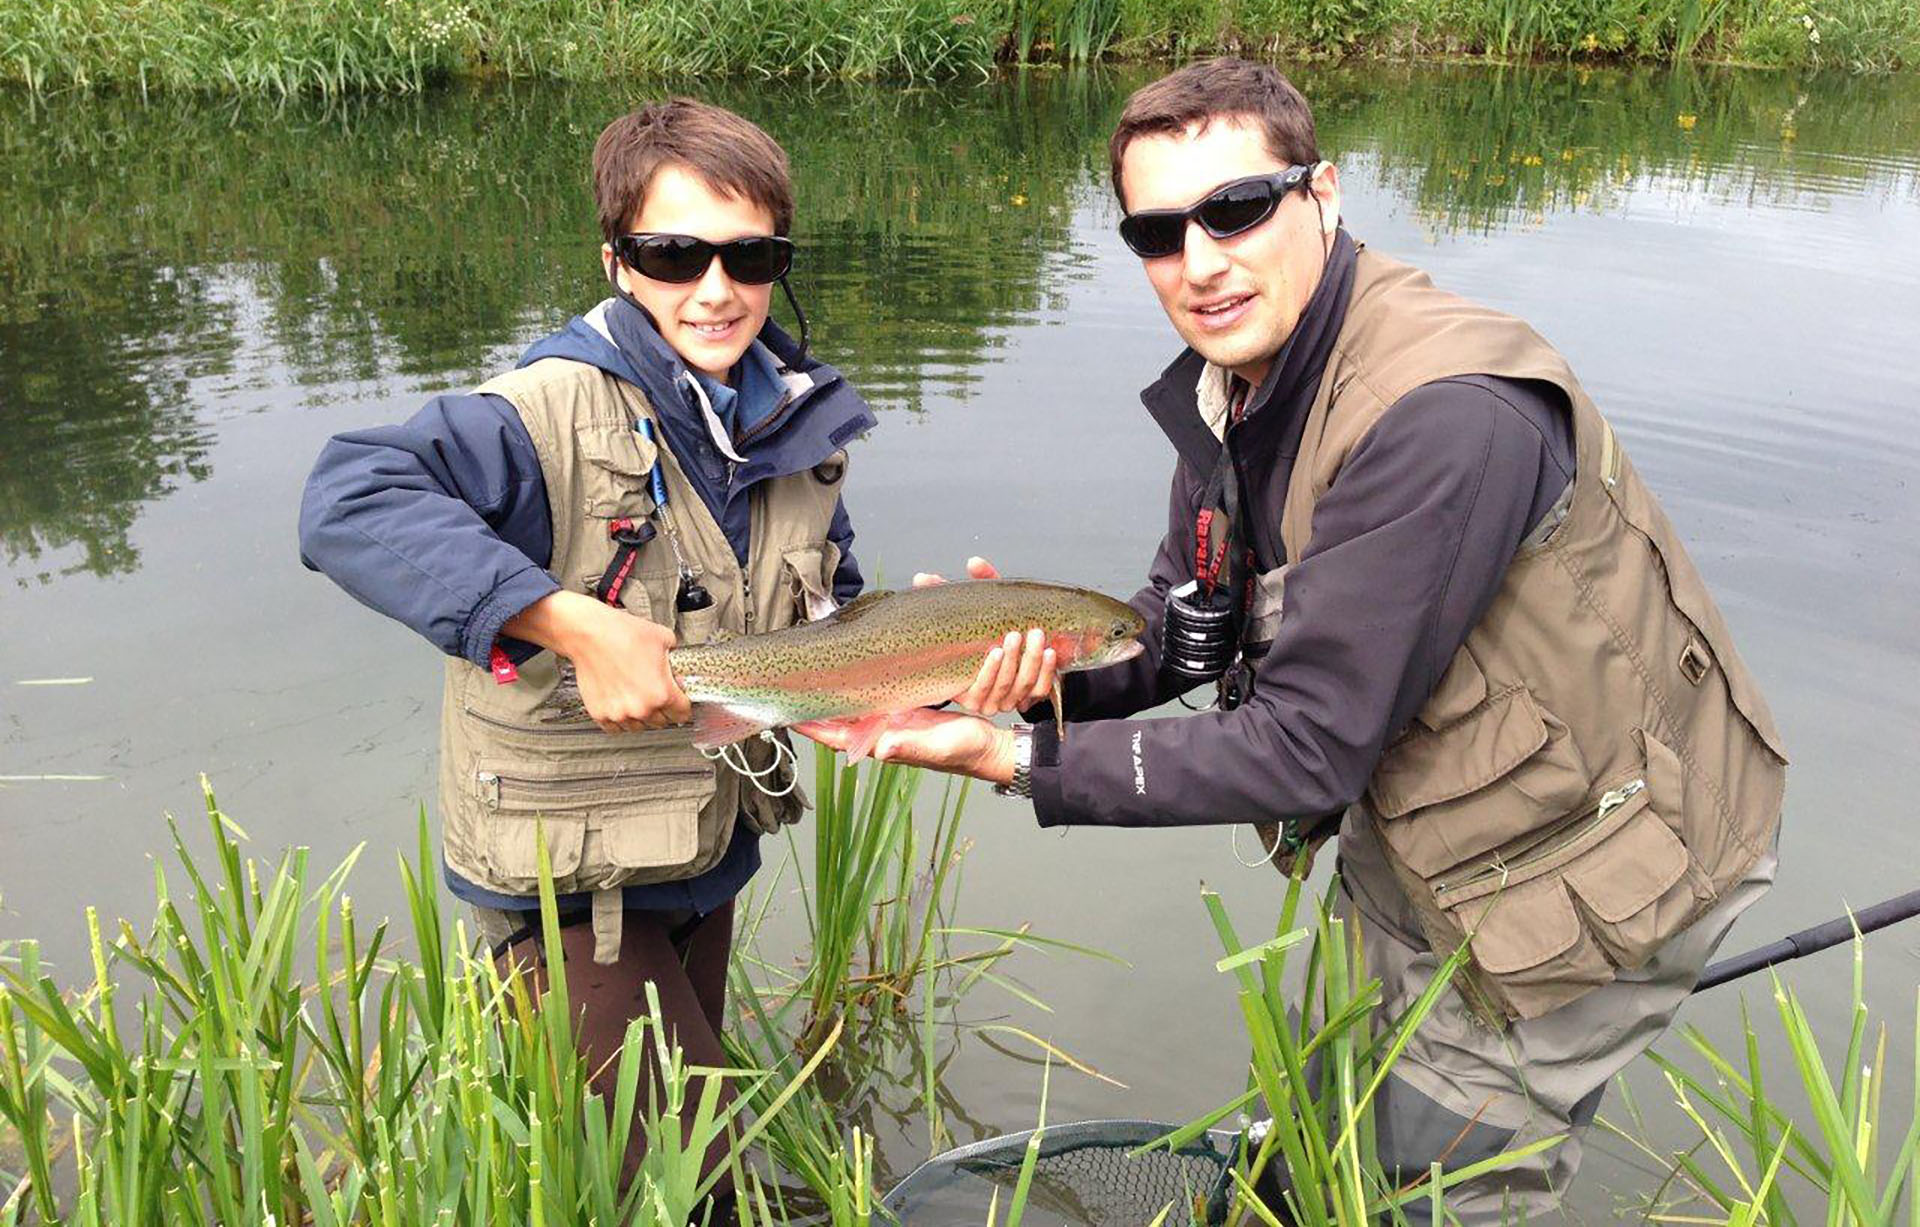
<point x="1812" y="941"/>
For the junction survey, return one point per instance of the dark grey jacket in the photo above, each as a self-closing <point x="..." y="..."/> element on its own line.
<point x="1407" y="549"/>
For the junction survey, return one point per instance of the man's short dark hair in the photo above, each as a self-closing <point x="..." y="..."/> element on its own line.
<point x="732" y="154"/>
<point x="1211" y="90"/>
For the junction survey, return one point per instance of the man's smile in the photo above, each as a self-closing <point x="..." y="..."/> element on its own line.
<point x="1222" y="312"/>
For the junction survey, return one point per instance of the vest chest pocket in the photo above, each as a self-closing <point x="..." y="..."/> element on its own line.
<point x="613" y="482"/>
<point x="1705" y="648"/>
<point x="603" y="818"/>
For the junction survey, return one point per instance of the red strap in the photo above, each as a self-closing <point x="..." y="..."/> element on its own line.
<point x="1207" y="558"/>
<point x="503" y="670"/>
<point x="610" y="586"/>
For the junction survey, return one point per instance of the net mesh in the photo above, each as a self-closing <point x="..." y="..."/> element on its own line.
<point x="1086" y="1174"/>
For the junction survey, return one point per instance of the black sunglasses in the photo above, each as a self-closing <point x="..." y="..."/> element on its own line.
<point x="1228" y="210"/>
<point x="680" y="258"/>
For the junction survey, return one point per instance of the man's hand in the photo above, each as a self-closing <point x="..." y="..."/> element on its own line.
<point x="952" y="742"/>
<point x="1018" y="673"/>
<point x="619" y="660"/>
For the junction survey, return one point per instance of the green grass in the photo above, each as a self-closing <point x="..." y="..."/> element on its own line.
<point x="344" y="46"/>
<point x="201" y="1077"/>
<point x="260" y="1053"/>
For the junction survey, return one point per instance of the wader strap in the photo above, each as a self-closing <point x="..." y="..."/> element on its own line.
<point x="608" y="912"/>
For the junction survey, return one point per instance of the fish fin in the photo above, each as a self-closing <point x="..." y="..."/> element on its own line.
<point x="1059" y="707"/>
<point x="866" y="732"/>
<point x="715" y="725"/>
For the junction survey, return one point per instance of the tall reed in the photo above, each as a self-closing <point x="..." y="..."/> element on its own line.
<point x="1317" y="1061"/>
<point x="1853" y="1151"/>
<point x="202" y="1077"/>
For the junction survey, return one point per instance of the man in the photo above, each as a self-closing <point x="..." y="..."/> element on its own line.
<point x="1462" y="634"/>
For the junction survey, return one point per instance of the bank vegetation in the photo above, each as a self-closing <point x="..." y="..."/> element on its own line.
<point x="341" y="46"/>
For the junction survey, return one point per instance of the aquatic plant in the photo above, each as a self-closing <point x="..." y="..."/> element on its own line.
<point x="202" y="1077"/>
<point x="1759" y="1152"/>
<point x="1318" y="1058"/>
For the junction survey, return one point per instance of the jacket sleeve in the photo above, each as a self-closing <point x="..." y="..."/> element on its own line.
<point x="1137" y="684"/>
<point x="847" y="580"/>
<point x="1408" y="548"/>
<point x="440" y="523"/>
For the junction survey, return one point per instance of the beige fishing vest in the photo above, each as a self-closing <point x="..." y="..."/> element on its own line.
<point x="1596" y="766"/>
<point x="628" y="808"/>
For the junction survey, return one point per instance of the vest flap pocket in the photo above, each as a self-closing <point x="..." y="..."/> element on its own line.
<point x="1428" y="767"/>
<point x="810" y="576"/>
<point x="512" y="852"/>
<point x="1521" y="927"/>
<point x="618" y="448"/>
<point x="1637" y="865"/>
<point x="1530" y="949"/>
<point x="1689" y="594"/>
<point x="662" y="829"/>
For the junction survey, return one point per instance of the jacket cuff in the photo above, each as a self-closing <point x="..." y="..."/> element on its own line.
<point x="513" y="594"/>
<point x="1049" y="801"/>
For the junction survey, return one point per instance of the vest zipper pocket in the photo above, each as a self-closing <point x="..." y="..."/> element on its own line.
<point x="576" y="729"/>
<point x="500" y="791"/>
<point x="1554" y="839"/>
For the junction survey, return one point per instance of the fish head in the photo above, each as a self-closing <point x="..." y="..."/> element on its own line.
<point x="1103" y="632"/>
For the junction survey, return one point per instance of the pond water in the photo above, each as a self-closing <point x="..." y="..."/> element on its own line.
<point x="195" y="293"/>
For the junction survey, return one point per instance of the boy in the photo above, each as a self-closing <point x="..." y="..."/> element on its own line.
<point x="663" y="468"/>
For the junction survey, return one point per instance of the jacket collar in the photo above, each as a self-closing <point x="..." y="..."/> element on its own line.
<point x="1190" y="394"/>
<point x="621" y="339"/>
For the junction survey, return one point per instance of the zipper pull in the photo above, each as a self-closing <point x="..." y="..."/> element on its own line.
<point x="489" y="789"/>
<point x="1620" y="796"/>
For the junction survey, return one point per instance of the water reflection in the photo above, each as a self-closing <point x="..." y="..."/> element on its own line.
<point x="147" y="247"/>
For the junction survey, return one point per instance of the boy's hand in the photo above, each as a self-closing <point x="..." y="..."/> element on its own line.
<point x="619" y="660"/>
<point x="1017" y="674"/>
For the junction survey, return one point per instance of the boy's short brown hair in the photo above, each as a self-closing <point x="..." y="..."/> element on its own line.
<point x="734" y="155"/>
<point x="1218" y="89"/>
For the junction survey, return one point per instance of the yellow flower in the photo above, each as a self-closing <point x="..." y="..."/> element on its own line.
<point x="1687" y="121"/>
<point x="1018" y="199"/>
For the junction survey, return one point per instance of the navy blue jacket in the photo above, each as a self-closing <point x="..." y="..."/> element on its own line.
<point x="442" y="522"/>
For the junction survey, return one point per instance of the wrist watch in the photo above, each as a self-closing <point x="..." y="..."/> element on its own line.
<point x="1021" y="785"/>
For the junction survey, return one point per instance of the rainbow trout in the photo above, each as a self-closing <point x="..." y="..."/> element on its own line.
<point x="889" y="652"/>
